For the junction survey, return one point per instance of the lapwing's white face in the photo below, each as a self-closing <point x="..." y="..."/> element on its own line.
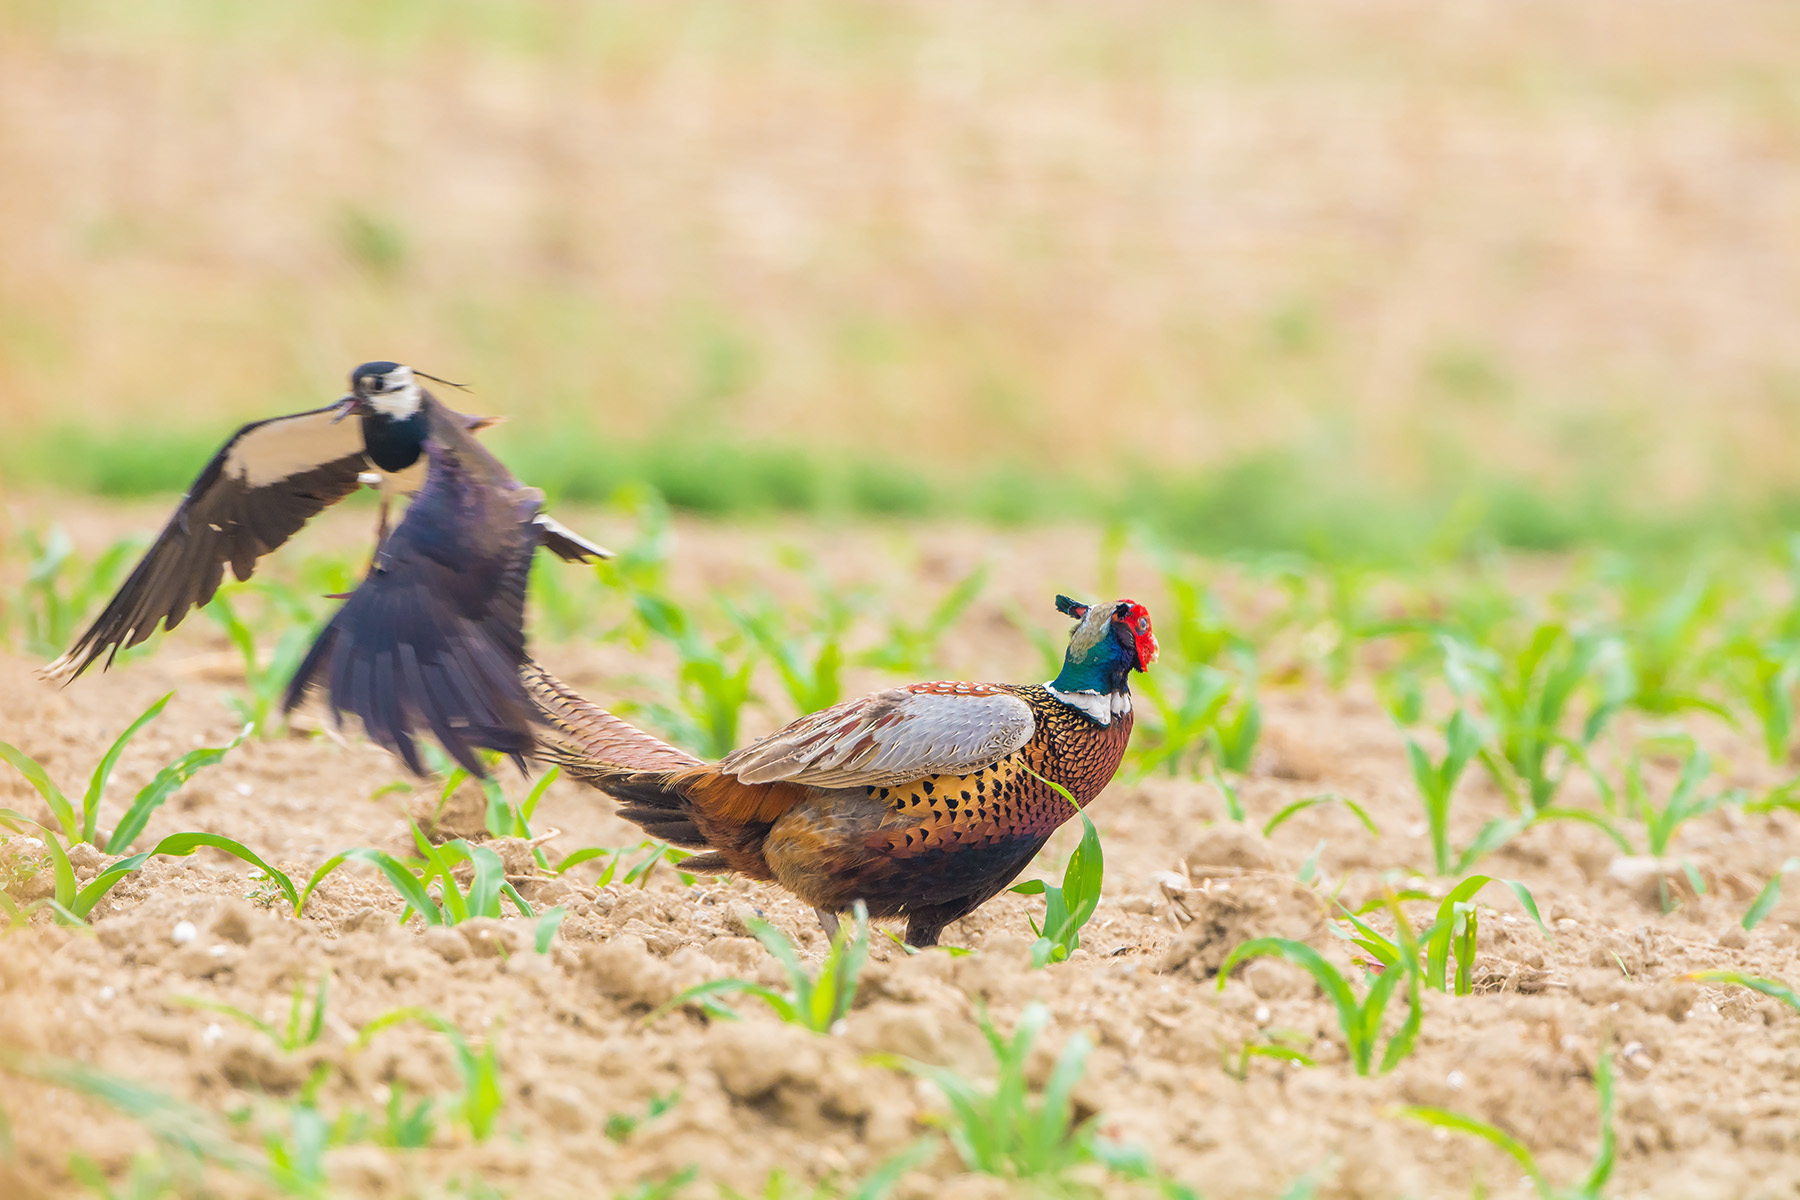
<point x="395" y="394"/>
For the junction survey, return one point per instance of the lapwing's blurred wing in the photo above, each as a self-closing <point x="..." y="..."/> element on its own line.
<point x="566" y="544"/>
<point x="264" y="484"/>
<point x="434" y="636"/>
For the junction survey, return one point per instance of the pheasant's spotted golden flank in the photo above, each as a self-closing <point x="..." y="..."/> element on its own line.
<point x="923" y="802"/>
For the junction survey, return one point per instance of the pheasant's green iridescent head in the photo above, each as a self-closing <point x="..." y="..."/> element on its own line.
<point x="1111" y="641"/>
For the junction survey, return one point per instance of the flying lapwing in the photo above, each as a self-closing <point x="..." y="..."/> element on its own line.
<point x="275" y="475"/>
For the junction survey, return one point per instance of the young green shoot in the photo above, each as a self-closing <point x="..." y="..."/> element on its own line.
<point x="620" y="1126"/>
<point x="1773" y="988"/>
<point x="72" y="903"/>
<point x="1450" y="937"/>
<point x="1068" y="908"/>
<point x="428" y="884"/>
<point x="303" y="1028"/>
<point x="84" y="826"/>
<point x="1005" y="1129"/>
<point x="1591" y="1186"/>
<point x="1684" y="804"/>
<point x="1361" y="1023"/>
<point x="1437" y="781"/>
<point x="1769" y="896"/>
<point x="260" y="707"/>
<point x="477" y="1107"/>
<point x="817" y="1003"/>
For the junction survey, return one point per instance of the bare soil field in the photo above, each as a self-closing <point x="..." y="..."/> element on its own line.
<point x="1708" y="1091"/>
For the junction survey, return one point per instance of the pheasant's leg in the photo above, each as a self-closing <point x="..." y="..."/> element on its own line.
<point x="829" y="922"/>
<point x="922" y="930"/>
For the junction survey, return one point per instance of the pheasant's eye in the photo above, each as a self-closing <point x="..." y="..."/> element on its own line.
<point x="1143" y="624"/>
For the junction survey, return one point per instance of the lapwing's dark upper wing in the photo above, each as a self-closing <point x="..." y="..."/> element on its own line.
<point x="434" y="637"/>
<point x="264" y="484"/>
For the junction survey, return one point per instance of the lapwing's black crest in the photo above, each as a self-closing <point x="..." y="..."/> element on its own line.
<point x="273" y="476"/>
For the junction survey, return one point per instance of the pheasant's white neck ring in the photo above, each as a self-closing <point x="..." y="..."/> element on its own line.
<point x="1101" y="707"/>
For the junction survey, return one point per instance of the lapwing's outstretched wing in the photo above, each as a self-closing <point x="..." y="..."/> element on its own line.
<point x="264" y="484"/>
<point x="433" y="638"/>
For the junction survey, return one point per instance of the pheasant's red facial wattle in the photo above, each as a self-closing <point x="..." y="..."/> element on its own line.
<point x="1135" y="619"/>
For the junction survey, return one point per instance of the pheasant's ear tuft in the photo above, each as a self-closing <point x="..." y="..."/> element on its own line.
<point x="1071" y="608"/>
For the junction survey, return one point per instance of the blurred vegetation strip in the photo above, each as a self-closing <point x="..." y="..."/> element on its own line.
<point x="1283" y="501"/>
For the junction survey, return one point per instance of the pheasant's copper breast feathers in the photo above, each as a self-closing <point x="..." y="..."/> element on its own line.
<point x="890" y="737"/>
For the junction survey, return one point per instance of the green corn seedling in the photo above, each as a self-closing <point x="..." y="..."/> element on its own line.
<point x="712" y="688"/>
<point x="912" y="649"/>
<point x="667" y="1188"/>
<point x="1361" y="1023"/>
<point x="813" y="1002"/>
<point x="1772" y="988"/>
<point x="57" y="590"/>
<point x="1006" y="1130"/>
<point x="1281" y="1045"/>
<point x="1299" y="806"/>
<point x="1769" y="896"/>
<point x="302" y="1029"/>
<point x="810" y="665"/>
<point x="72" y="903"/>
<point x="1591" y="1186"/>
<point x="654" y="854"/>
<point x="477" y="1107"/>
<point x="1450" y="937"/>
<point x="1683" y="805"/>
<point x="1529" y="695"/>
<point x="1174" y="734"/>
<point x="189" y="1135"/>
<point x="1762" y="674"/>
<point x="260" y="707"/>
<point x="83" y="826"/>
<point x="879" y="1184"/>
<point x="620" y="1126"/>
<point x="1437" y="781"/>
<point x="435" y="869"/>
<point x="1234" y="733"/>
<point x="1067" y="909"/>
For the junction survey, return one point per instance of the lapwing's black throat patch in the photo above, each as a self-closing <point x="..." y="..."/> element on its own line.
<point x="395" y="444"/>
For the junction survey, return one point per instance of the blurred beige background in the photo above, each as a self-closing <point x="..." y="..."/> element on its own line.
<point x="1414" y="241"/>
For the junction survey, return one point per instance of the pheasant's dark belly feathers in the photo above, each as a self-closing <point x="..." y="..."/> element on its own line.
<point x="942" y="845"/>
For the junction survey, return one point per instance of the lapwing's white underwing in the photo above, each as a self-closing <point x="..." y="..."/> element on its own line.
<point x="442" y="607"/>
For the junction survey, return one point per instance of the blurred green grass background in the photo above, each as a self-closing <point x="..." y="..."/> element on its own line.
<point x="1351" y="278"/>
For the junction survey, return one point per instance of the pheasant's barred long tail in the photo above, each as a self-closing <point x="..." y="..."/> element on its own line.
<point x="589" y="742"/>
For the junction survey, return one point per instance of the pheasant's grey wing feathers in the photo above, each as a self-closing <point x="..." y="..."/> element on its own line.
<point x="889" y="738"/>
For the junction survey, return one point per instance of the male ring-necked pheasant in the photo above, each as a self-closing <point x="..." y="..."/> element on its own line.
<point x="923" y="802"/>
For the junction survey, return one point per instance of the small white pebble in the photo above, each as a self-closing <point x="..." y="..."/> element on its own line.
<point x="211" y="1034"/>
<point x="218" y="951"/>
<point x="1262" y="1014"/>
<point x="107" y="993"/>
<point x="184" y="933"/>
<point x="1457" y="1081"/>
<point x="381" y="1093"/>
<point x="244" y="789"/>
